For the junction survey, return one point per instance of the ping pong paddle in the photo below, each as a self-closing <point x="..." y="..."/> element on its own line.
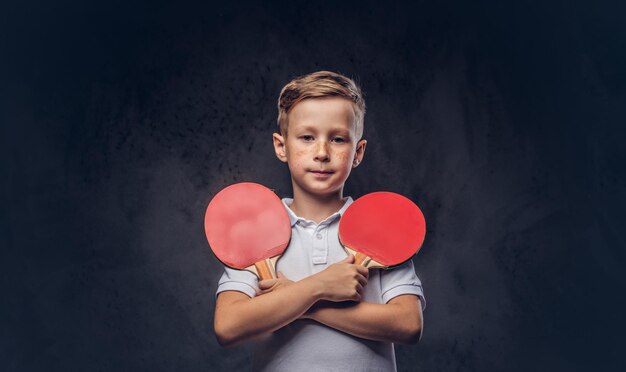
<point x="382" y="229"/>
<point x="248" y="228"/>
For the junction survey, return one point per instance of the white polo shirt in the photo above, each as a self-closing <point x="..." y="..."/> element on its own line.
<point x="305" y="345"/>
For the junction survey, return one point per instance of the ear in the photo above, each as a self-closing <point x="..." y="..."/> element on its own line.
<point x="360" y="152"/>
<point x="279" y="147"/>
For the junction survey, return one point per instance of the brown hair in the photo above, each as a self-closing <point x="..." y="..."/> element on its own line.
<point x="317" y="85"/>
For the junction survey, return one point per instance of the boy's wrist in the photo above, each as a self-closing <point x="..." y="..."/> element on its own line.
<point x="315" y="288"/>
<point x="310" y="314"/>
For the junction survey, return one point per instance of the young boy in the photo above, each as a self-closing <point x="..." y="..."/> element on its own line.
<point x="323" y="313"/>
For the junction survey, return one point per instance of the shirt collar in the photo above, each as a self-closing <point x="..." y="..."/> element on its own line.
<point x="293" y="218"/>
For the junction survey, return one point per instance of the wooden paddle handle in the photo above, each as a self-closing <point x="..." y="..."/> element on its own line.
<point x="266" y="269"/>
<point x="365" y="260"/>
<point x="361" y="259"/>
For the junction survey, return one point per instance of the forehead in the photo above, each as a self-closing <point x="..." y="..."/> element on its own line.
<point x="323" y="111"/>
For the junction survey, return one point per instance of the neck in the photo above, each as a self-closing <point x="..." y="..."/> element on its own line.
<point x="316" y="207"/>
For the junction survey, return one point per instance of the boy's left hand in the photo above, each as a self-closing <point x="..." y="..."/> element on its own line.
<point x="270" y="285"/>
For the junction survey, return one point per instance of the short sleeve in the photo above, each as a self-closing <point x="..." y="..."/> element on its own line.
<point x="238" y="280"/>
<point x="401" y="280"/>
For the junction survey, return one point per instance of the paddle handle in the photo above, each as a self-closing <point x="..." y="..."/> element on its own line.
<point x="361" y="259"/>
<point x="364" y="260"/>
<point x="266" y="269"/>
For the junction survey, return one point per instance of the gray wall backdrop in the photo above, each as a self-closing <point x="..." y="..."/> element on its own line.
<point x="503" y="120"/>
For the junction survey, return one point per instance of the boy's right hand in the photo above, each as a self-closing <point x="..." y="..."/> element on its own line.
<point x="343" y="281"/>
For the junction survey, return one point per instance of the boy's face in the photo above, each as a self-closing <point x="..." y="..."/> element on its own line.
<point x="321" y="146"/>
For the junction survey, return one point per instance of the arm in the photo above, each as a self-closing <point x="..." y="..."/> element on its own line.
<point x="239" y="318"/>
<point x="399" y="320"/>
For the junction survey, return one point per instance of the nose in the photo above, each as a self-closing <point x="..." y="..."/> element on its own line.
<point x="321" y="152"/>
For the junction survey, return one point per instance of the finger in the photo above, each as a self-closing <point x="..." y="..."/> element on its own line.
<point x="362" y="280"/>
<point x="270" y="289"/>
<point x="349" y="259"/>
<point x="363" y="270"/>
<point x="267" y="283"/>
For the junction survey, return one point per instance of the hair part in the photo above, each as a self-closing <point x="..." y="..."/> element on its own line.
<point x="318" y="85"/>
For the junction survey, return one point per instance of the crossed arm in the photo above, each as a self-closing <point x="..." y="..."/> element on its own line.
<point x="398" y="321"/>
<point x="331" y="297"/>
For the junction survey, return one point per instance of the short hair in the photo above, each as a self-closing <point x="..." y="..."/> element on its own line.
<point x="318" y="85"/>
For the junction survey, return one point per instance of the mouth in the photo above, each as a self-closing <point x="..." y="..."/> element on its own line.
<point x="321" y="173"/>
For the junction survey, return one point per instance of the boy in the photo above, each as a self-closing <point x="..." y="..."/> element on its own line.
<point x="323" y="313"/>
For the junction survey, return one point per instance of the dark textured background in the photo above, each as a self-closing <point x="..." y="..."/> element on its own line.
<point x="505" y="121"/>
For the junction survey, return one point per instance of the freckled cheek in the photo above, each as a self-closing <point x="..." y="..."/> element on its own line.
<point x="298" y="159"/>
<point x="344" y="156"/>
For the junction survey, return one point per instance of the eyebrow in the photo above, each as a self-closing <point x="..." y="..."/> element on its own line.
<point x="313" y="128"/>
<point x="343" y="132"/>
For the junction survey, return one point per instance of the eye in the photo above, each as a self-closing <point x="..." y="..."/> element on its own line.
<point x="339" y="140"/>
<point x="307" y="137"/>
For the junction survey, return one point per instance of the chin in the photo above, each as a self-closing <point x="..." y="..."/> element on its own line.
<point x="321" y="191"/>
<point x="319" y="188"/>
